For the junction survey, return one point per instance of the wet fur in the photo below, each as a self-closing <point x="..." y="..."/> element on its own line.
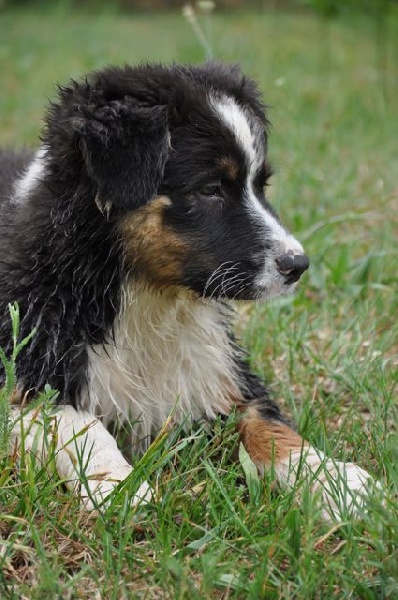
<point x="123" y="239"/>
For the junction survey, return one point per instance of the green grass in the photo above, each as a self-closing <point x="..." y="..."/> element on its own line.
<point x="330" y="353"/>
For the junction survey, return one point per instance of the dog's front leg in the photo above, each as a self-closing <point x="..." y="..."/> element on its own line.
<point x="87" y="456"/>
<point x="342" y="487"/>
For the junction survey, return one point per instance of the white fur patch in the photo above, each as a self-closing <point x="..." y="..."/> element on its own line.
<point x="170" y="356"/>
<point x="342" y="487"/>
<point x="31" y="178"/>
<point x="246" y="130"/>
<point x="284" y="241"/>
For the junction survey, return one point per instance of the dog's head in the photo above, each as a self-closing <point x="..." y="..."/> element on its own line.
<point x="178" y="161"/>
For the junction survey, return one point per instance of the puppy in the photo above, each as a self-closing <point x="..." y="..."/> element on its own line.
<point x="122" y="239"/>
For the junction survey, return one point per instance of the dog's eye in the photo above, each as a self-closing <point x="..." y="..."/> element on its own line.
<point x="211" y="191"/>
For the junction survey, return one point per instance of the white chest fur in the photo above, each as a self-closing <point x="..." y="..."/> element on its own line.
<point x="170" y="356"/>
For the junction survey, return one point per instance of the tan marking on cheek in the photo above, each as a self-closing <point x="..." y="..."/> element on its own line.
<point x="229" y="166"/>
<point x="267" y="441"/>
<point x="156" y="251"/>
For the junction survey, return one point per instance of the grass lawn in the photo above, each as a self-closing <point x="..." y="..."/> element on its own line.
<point x="330" y="353"/>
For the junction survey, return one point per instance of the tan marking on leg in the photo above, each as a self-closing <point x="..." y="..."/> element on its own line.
<point x="340" y="487"/>
<point x="267" y="441"/>
<point x="151" y="247"/>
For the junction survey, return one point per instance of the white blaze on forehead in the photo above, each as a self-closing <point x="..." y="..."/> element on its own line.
<point x="247" y="132"/>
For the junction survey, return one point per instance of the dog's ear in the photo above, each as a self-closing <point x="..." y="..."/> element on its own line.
<point x="125" y="147"/>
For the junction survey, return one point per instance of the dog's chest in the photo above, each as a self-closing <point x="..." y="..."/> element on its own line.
<point x="169" y="356"/>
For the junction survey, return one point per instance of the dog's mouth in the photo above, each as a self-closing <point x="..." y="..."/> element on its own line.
<point x="259" y="280"/>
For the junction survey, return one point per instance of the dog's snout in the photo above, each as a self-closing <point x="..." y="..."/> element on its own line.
<point x="292" y="266"/>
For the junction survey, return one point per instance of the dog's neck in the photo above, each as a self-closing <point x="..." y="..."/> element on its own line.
<point x="170" y="354"/>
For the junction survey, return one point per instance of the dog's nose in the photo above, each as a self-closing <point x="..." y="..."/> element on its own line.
<point x="292" y="266"/>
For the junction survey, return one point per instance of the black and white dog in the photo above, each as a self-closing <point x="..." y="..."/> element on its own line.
<point x="122" y="240"/>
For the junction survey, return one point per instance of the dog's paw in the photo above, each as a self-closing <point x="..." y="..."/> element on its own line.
<point x="343" y="489"/>
<point x="99" y="493"/>
<point x="143" y="495"/>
